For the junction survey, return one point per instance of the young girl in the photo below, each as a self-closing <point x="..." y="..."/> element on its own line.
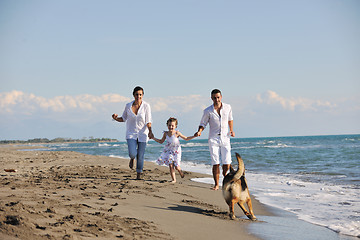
<point x="171" y="155"/>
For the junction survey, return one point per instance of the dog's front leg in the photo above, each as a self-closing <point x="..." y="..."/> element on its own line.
<point x="250" y="214"/>
<point x="241" y="205"/>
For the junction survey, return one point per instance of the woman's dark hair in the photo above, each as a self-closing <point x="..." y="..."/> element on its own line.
<point x="138" y="89"/>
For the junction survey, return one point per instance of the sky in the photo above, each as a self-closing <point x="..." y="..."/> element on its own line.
<point x="288" y="68"/>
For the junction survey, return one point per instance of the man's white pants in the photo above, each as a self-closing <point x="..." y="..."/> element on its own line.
<point x="220" y="147"/>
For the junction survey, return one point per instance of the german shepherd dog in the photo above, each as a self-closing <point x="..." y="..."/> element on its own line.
<point x="235" y="190"/>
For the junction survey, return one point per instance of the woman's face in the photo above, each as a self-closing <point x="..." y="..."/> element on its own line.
<point x="138" y="95"/>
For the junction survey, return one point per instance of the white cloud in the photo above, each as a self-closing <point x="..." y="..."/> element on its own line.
<point x="19" y="102"/>
<point x="24" y="103"/>
<point x="14" y="101"/>
<point x="293" y="104"/>
<point x="26" y="115"/>
<point x="86" y="108"/>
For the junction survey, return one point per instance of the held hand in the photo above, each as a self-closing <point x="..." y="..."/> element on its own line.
<point x="151" y="135"/>
<point x="197" y="134"/>
<point x="232" y="134"/>
<point x="114" y="116"/>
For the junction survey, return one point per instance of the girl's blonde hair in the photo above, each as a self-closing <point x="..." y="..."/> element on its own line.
<point x="172" y="120"/>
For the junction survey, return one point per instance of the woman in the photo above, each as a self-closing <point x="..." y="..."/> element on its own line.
<point x="137" y="115"/>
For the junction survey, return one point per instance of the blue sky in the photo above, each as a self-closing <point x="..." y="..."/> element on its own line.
<point x="286" y="67"/>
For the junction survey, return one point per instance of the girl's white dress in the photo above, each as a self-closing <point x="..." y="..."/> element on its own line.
<point x="171" y="152"/>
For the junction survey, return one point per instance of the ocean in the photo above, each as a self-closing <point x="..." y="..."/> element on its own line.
<point x="317" y="178"/>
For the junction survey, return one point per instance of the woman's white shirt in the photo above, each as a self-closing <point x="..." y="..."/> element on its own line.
<point x="136" y="124"/>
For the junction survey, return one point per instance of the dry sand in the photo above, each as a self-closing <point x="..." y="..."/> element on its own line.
<point x="69" y="195"/>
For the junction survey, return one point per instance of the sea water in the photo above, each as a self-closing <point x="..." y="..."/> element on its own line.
<point x="315" y="177"/>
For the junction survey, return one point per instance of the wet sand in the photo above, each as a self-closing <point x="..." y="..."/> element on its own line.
<point x="69" y="195"/>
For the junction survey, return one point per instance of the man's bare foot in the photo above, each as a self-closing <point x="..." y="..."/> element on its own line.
<point x="215" y="188"/>
<point x="131" y="163"/>
<point x="138" y="176"/>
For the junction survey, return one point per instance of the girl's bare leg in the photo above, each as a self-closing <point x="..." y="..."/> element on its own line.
<point x="180" y="172"/>
<point x="172" y="172"/>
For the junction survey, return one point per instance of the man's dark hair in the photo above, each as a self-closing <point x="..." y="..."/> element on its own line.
<point x="215" y="91"/>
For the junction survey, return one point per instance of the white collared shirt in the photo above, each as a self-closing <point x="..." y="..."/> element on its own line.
<point x="219" y="124"/>
<point x="136" y="125"/>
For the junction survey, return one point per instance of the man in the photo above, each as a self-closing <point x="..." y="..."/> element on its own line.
<point x="220" y="119"/>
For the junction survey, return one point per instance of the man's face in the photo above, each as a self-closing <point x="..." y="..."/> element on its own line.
<point x="216" y="98"/>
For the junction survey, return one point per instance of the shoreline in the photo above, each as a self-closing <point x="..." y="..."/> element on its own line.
<point x="70" y="195"/>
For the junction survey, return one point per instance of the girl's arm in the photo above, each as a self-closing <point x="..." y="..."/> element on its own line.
<point x="184" y="137"/>
<point x="160" y="140"/>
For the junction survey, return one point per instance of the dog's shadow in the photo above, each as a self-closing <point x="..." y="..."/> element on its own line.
<point x="197" y="210"/>
<point x="207" y="212"/>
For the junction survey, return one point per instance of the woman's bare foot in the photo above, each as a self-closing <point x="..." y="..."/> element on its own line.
<point x="131" y="163"/>
<point x="182" y="174"/>
<point x="173" y="181"/>
<point x="215" y="188"/>
<point x="138" y="176"/>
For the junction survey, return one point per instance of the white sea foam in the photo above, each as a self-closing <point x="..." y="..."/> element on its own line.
<point x="117" y="156"/>
<point x="279" y="145"/>
<point x="332" y="206"/>
<point x="194" y="144"/>
<point x="104" y="145"/>
<point x="199" y="168"/>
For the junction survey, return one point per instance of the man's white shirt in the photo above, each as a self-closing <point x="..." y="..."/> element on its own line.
<point x="219" y="124"/>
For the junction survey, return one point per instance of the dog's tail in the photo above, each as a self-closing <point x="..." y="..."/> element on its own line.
<point x="241" y="168"/>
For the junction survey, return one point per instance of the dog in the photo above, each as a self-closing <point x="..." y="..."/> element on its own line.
<point x="235" y="190"/>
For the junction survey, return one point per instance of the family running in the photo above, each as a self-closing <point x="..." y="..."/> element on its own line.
<point x="137" y="115"/>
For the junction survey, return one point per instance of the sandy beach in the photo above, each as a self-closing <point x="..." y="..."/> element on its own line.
<point x="69" y="195"/>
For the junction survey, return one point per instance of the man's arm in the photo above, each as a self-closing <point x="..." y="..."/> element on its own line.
<point x="231" y="126"/>
<point x="198" y="133"/>
<point x="203" y="122"/>
<point x="150" y="135"/>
